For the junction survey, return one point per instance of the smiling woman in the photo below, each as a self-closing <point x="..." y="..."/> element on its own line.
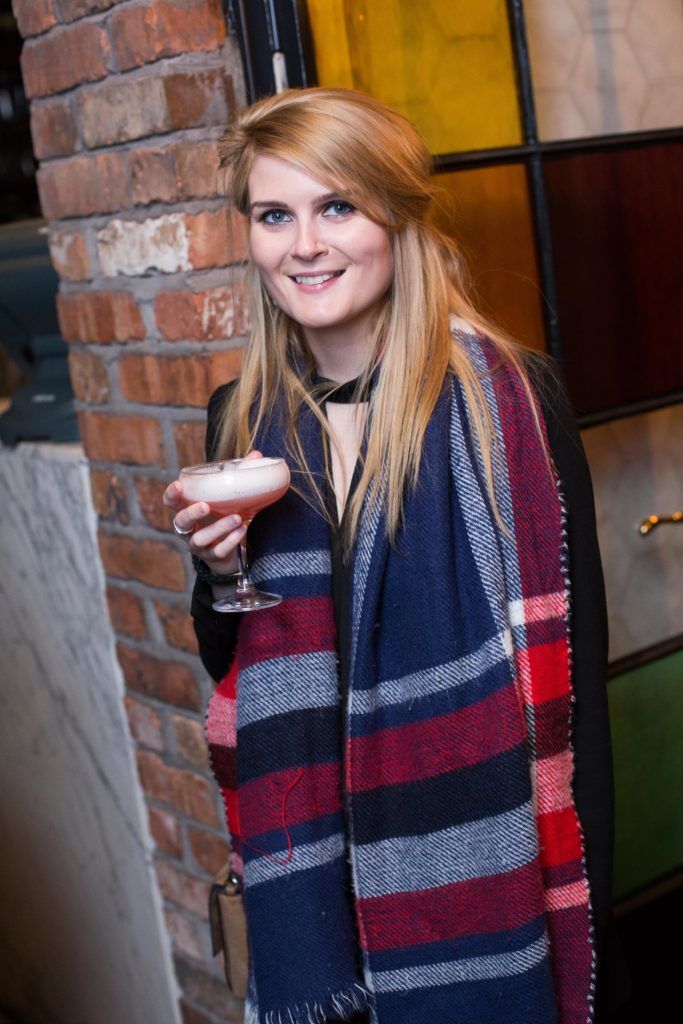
<point x="396" y="741"/>
<point x="325" y="264"/>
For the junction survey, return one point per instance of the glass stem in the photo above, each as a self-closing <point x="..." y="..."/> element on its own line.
<point x="246" y="584"/>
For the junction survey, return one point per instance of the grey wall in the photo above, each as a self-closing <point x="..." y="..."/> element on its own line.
<point x="81" y="934"/>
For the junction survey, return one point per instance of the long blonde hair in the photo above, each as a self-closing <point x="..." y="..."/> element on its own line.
<point x="373" y="156"/>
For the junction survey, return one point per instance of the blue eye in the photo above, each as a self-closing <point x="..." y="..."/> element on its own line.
<point x="339" y="208"/>
<point x="274" y="217"/>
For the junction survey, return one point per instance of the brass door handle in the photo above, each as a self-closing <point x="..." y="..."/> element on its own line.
<point x="648" y="525"/>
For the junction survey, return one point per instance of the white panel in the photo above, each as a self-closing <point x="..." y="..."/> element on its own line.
<point x="82" y="935"/>
<point x="605" y="66"/>
<point x="637" y="468"/>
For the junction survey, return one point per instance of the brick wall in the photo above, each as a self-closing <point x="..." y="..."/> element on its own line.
<point x="127" y="100"/>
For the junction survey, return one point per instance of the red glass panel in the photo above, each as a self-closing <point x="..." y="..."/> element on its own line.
<point x="615" y="220"/>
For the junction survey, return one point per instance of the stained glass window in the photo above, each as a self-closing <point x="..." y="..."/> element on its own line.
<point x="446" y="64"/>
<point x="487" y="211"/>
<point x="616" y="219"/>
<point x="613" y="66"/>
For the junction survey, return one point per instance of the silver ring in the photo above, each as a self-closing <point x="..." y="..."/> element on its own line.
<point x="181" y="533"/>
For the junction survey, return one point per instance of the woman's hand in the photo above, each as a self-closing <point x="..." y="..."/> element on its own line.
<point x="212" y="538"/>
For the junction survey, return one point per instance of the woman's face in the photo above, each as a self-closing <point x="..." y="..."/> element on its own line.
<point x="324" y="263"/>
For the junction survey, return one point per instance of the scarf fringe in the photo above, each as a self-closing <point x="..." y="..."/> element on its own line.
<point x="345" y="1002"/>
<point x="565" y="565"/>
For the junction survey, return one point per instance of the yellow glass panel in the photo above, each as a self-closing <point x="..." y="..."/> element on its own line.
<point x="487" y="211"/>
<point x="445" y="64"/>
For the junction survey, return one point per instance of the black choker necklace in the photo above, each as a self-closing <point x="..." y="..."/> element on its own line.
<point x="326" y="390"/>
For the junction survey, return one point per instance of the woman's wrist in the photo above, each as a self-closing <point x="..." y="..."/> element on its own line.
<point x="209" y="575"/>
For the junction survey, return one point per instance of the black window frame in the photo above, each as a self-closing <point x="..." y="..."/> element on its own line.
<point x="265" y="28"/>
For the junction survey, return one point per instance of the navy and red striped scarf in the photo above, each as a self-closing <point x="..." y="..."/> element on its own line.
<point x="414" y="849"/>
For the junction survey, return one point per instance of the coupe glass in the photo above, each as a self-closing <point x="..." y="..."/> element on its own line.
<point x="244" y="486"/>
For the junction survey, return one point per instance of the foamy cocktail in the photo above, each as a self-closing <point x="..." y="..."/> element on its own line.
<point x="245" y="486"/>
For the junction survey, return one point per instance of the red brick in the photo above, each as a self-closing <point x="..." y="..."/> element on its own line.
<point x="199" y="98"/>
<point x="215" y="242"/>
<point x="155" y="776"/>
<point x="177" y="626"/>
<point x="143" y="34"/>
<point x="177" y="886"/>
<point x="99" y="317"/>
<point x="166" y="831"/>
<point x="132" y="439"/>
<point x="212" y="315"/>
<point x="191" y="1015"/>
<point x="168" y="681"/>
<point x="190" y="740"/>
<point x="89" y="378"/>
<point x="190" y="794"/>
<point x="209" y="991"/>
<point x="53" y="128"/>
<point x="34" y="16"/>
<point x="134" y="247"/>
<point x="150" y="494"/>
<point x="153" y="176"/>
<point x="189" y="442"/>
<point x="109" y="496"/>
<point x="183" y="934"/>
<point x="69" y="255"/>
<point x="197" y="169"/>
<point x="149" y="561"/>
<point x="83" y="185"/>
<point x="177" y="380"/>
<point x="126" y="612"/>
<point x="70" y="10"/>
<point x="145" y="724"/>
<point x="66" y="57"/>
<point x="209" y="851"/>
<point x="123" y="110"/>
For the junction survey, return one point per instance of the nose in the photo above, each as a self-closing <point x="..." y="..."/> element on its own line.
<point x="307" y="244"/>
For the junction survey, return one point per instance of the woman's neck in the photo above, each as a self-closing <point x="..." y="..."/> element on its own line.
<point x="340" y="353"/>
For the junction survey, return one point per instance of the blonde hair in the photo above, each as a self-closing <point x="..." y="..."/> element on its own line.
<point x="373" y="156"/>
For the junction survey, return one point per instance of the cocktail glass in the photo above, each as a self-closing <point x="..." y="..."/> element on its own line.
<point x="245" y="486"/>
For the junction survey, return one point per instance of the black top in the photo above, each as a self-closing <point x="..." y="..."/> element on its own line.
<point x="593" y="777"/>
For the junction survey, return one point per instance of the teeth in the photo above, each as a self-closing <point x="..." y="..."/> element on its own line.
<point x="317" y="279"/>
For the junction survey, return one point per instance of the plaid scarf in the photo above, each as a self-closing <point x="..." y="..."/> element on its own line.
<point x="413" y="848"/>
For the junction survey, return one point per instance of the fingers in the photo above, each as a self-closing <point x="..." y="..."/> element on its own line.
<point x="188" y="518"/>
<point x="230" y="544"/>
<point x="210" y="538"/>
<point x="217" y="537"/>
<point x="173" y="495"/>
<point x="215" y="548"/>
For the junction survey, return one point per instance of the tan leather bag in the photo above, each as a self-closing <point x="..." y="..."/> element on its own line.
<point x="229" y="929"/>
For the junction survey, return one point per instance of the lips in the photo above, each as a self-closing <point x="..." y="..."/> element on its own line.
<point x="313" y="280"/>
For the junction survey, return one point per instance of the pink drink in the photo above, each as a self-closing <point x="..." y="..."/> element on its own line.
<point x="236" y="485"/>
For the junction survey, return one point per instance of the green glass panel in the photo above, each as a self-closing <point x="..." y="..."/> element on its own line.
<point x="646" y="717"/>
<point x="487" y="212"/>
<point x="605" y="67"/>
<point x="446" y="64"/>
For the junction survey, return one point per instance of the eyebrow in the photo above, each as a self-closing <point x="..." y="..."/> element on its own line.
<point x="285" y="206"/>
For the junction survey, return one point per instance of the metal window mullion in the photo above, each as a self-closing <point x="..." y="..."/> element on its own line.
<point x="534" y="166"/>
